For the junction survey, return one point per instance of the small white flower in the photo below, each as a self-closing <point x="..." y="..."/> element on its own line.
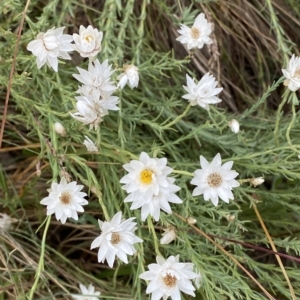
<point x="59" y="129"/>
<point x="196" y="36"/>
<point x="257" y="181"/>
<point x="149" y="186"/>
<point x="292" y="74"/>
<point x="169" y="235"/>
<point x="89" y="111"/>
<point x="88" y="41"/>
<point x="215" y="180"/>
<point x="65" y="200"/>
<point x="130" y="76"/>
<point x="88" y="293"/>
<point x="234" y="125"/>
<point x="90" y="146"/>
<point x="203" y="93"/>
<point x="96" y="80"/>
<point x="117" y="239"/>
<point x="50" y="46"/>
<point x="5" y="222"/>
<point x="169" y="277"/>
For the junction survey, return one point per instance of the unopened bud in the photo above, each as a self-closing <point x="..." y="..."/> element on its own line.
<point x="59" y="129"/>
<point x="169" y="235"/>
<point x="191" y="221"/>
<point x="234" y="125"/>
<point x="230" y="218"/>
<point x="257" y="181"/>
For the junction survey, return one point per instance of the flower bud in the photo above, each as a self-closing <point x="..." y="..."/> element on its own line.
<point x="59" y="129"/>
<point x="230" y="218"/>
<point x="257" y="181"/>
<point x="191" y="221"/>
<point x="169" y="235"/>
<point x="234" y="125"/>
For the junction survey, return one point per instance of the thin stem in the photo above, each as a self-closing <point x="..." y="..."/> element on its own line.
<point x="155" y="239"/>
<point x="183" y="173"/>
<point x="40" y="267"/>
<point x="178" y="118"/>
<point x="274" y="249"/>
<point x="285" y="97"/>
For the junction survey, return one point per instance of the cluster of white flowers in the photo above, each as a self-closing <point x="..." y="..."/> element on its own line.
<point x="147" y="183"/>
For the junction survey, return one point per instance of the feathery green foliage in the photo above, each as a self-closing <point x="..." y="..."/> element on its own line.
<point x="144" y="33"/>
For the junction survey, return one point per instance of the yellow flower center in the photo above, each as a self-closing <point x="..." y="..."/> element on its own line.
<point x="89" y="38"/>
<point x="214" y="180"/>
<point x="169" y="280"/>
<point x="195" y="33"/>
<point x="65" y="198"/>
<point x="115" y="238"/>
<point x="146" y="176"/>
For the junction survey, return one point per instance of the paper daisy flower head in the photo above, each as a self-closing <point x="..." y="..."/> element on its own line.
<point x="117" y="239"/>
<point x="89" y="111"/>
<point x="130" y="76"/>
<point x="65" y="200"/>
<point x="149" y="187"/>
<point x="90" y="146"/>
<point x="203" y="93"/>
<point x="50" y="46"/>
<point x="196" y="36"/>
<point x="88" y="293"/>
<point x="168" y="277"/>
<point x="215" y="180"/>
<point x="96" y="80"/>
<point x="292" y="74"/>
<point x="88" y="41"/>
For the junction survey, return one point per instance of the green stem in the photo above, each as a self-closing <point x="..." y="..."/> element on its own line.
<point x="40" y="267"/>
<point x="285" y="97"/>
<point x="183" y="173"/>
<point x="155" y="239"/>
<point x="178" y="118"/>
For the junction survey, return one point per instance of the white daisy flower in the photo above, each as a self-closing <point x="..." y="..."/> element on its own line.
<point x="88" y="41"/>
<point x="152" y="206"/>
<point x="89" y="111"/>
<point x="90" y="146"/>
<point x="117" y="239"/>
<point x="215" y="180"/>
<point x="234" y="125"/>
<point x="96" y="80"/>
<point x="203" y="93"/>
<point x="130" y="76"/>
<point x="65" y="200"/>
<point x="169" y="235"/>
<point x="169" y="277"/>
<point x="108" y="101"/>
<point x="196" y="36"/>
<point x="50" y="46"/>
<point x="149" y="186"/>
<point x="88" y="293"/>
<point x="292" y="74"/>
<point x="5" y="222"/>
